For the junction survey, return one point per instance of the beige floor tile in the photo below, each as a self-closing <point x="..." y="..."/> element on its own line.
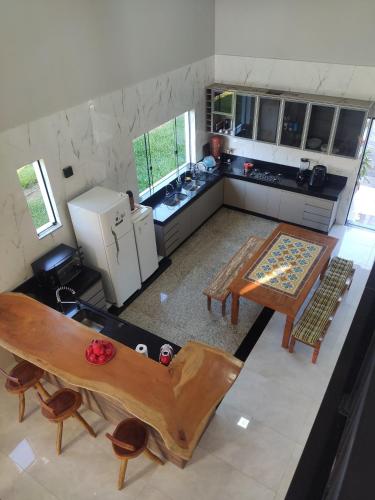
<point x="16" y="484"/>
<point x="257" y="450"/>
<point x="207" y="478"/>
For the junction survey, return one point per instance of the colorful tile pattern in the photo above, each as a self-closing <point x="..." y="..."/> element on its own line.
<point x="285" y="264"/>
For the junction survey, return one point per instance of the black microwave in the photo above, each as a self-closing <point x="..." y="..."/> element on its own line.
<point x="58" y="267"/>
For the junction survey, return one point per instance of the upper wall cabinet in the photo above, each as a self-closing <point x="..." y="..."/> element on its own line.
<point x="293" y="123"/>
<point x="223" y="102"/>
<point x="320" y="127"/>
<point x="245" y="114"/>
<point x="315" y="123"/>
<point x="349" y="132"/>
<point x="268" y="119"/>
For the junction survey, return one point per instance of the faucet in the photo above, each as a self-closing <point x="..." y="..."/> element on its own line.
<point x="171" y="186"/>
<point x="61" y="302"/>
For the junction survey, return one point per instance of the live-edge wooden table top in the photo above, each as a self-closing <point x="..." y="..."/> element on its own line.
<point x="177" y="400"/>
<point x="284" y="269"/>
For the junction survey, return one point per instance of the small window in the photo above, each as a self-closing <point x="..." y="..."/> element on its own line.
<point x="162" y="151"/>
<point x="39" y="198"/>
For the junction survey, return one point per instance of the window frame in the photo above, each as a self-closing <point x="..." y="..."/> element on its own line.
<point x="44" y="185"/>
<point x="189" y="127"/>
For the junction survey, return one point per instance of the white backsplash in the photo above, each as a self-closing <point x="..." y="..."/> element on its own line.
<point x="96" y="139"/>
<point x="316" y="78"/>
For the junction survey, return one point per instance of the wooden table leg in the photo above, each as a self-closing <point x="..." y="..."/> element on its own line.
<point x="287" y="331"/>
<point x="235" y="308"/>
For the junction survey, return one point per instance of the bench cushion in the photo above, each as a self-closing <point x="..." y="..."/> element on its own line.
<point x="219" y="287"/>
<point x="316" y="317"/>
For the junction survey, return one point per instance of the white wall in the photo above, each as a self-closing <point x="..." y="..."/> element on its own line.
<point x="80" y="79"/>
<point x="55" y="54"/>
<point x="317" y="47"/>
<point x="334" y="31"/>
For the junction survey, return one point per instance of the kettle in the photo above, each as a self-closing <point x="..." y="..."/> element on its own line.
<point x="318" y="176"/>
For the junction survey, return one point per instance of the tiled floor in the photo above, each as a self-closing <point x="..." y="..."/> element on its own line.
<point x="277" y="395"/>
<point x="174" y="306"/>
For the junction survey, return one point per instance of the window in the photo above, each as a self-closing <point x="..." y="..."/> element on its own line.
<point x="37" y="190"/>
<point x="162" y="151"/>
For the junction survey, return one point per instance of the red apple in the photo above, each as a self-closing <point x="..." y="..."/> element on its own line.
<point x="92" y="358"/>
<point x="101" y="358"/>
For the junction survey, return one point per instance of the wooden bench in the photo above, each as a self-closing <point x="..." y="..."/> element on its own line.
<point x="316" y="318"/>
<point x="218" y="289"/>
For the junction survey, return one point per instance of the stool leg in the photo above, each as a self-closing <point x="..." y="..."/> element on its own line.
<point x="59" y="436"/>
<point x="153" y="457"/>
<point x="21" y="406"/>
<point x="38" y="386"/>
<point x="84" y="423"/>
<point x="121" y="475"/>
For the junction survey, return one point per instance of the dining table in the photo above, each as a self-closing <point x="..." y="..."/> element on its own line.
<point x="282" y="272"/>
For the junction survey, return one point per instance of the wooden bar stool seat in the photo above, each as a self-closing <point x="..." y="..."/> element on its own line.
<point x="63" y="404"/>
<point x="129" y="440"/>
<point x="22" y="377"/>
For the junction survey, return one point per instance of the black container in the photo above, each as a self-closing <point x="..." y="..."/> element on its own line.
<point x="318" y="176"/>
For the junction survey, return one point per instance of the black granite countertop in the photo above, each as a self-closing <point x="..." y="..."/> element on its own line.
<point x="331" y="190"/>
<point x="113" y="327"/>
<point x="163" y="214"/>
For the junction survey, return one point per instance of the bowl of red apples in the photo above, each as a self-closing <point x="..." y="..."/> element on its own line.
<point x="100" y="352"/>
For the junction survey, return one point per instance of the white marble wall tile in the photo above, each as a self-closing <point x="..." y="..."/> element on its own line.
<point x="94" y="137"/>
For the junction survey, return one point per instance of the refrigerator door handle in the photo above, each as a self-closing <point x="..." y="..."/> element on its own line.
<point x="117" y="244"/>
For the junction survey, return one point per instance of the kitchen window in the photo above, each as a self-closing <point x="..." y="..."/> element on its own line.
<point x="162" y="151"/>
<point x="34" y="182"/>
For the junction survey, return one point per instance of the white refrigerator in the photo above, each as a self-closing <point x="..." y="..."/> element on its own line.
<point x="145" y="240"/>
<point x="103" y="226"/>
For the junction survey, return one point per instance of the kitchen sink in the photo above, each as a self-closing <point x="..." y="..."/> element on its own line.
<point x="174" y="199"/>
<point x="193" y="185"/>
<point x="91" y="319"/>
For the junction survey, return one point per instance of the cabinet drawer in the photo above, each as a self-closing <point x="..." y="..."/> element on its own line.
<point x="172" y="244"/>
<point x="171" y="228"/>
<point x="92" y="291"/>
<point x="316" y="217"/>
<point x="313" y="209"/>
<point x="172" y="236"/>
<point x="319" y="202"/>
<point x="315" y="225"/>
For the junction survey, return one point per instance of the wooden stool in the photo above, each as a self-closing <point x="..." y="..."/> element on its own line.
<point x="63" y="404"/>
<point x="128" y="441"/>
<point x="21" y="378"/>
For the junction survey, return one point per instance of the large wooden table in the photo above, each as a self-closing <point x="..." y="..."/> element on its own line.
<point x="177" y="401"/>
<point x="282" y="272"/>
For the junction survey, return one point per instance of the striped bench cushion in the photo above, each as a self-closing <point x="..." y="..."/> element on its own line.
<point x="314" y="321"/>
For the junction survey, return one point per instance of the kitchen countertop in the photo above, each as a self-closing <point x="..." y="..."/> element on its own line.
<point x="330" y="191"/>
<point x="114" y="327"/>
<point x="177" y="401"/>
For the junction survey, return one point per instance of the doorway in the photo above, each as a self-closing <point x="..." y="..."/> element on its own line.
<point x="362" y="208"/>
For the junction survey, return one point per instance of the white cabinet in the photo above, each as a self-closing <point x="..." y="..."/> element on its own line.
<point x="234" y="192"/>
<point x="287" y="206"/>
<point x="291" y="207"/>
<point x="308" y="211"/>
<point x="172" y="234"/>
<point x="262" y="199"/>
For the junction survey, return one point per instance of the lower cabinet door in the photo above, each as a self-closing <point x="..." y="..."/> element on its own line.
<point x="291" y="207"/>
<point x="234" y="192"/>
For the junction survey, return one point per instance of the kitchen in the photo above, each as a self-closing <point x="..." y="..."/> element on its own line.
<point x="94" y="135"/>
